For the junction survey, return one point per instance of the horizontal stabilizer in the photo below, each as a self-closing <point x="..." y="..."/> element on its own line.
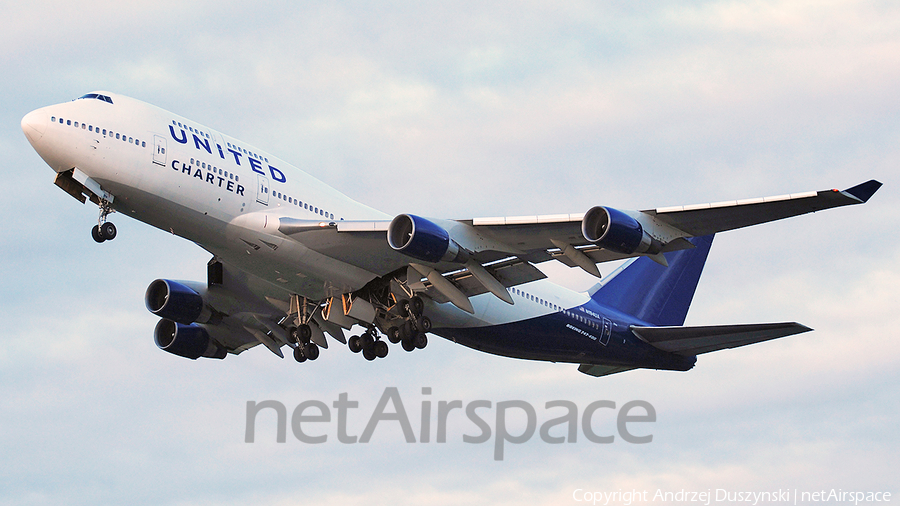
<point x="690" y="341"/>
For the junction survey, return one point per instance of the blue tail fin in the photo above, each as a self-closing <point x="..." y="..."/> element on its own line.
<point x="655" y="294"/>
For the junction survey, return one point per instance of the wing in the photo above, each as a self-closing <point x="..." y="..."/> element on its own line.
<point x="490" y="254"/>
<point x="705" y="219"/>
<point x="239" y="311"/>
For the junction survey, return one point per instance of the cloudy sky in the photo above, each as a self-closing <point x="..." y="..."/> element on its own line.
<point x="461" y="110"/>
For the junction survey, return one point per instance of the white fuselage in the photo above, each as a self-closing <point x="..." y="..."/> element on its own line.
<point x="227" y="196"/>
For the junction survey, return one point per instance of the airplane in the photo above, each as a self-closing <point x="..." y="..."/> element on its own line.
<point x="294" y="260"/>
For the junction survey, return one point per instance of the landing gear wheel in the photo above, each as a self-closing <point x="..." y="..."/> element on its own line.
<point x="408" y="343"/>
<point x="369" y="353"/>
<point x="95" y="233"/>
<point x="305" y="333"/>
<point x="107" y="231"/>
<point x="394" y="335"/>
<point x="424" y="324"/>
<point x="417" y="305"/>
<point x="380" y="348"/>
<point x="311" y="351"/>
<point x="404" y="306"/>
<point x="421" y="341"/>
<point x="298" y="355"/>
<point x="354" y="344"/>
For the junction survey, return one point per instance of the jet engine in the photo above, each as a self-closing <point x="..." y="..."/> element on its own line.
<point x="177" y="302"/>
<point x="188" y="341"/>
<point x="616" y="231"/>
<point x="424" y="240"/>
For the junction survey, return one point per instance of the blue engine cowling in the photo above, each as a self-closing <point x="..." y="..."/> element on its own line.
<point x="188" y="341"/>
<point x="175" y="301"/>
<point x="616" y="231"/>
<point x="422" y="239"/>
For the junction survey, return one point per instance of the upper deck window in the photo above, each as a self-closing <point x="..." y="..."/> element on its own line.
<point x="96" y="96"/>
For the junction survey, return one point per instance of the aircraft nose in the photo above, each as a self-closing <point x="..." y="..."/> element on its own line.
<point x="34" y="124"/>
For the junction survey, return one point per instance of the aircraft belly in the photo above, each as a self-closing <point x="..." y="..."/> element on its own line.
<point x="285" y="262"/>
<point x="559" y="337"/>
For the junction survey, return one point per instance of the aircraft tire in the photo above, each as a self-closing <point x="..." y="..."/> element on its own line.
<point x="311" y="351"/>
<point x="95" y="233"/>
<point x="298" y="355"/>
<point x="417" y="305"/>
<point x="354" y="344"/>
<point x="369" y="354"/>
<point x="305" y="333"/>
<point x="394" y="335"/>
<point x="421" y="341"/>
<point x="380" y="348"/>
<point x="408" y="343"/>
<point x="108" y="231"/>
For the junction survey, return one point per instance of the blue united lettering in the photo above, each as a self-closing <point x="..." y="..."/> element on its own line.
<point x="180" y="136"/>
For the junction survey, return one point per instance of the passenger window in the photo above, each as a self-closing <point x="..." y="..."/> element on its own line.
<point x="83" y="126"/>
<point x="91" y="128"/>
<point x="131" y="140"/>
<point x="53" y="119"/>
<point x="76" y="124"/>
<point x="117" y="136"/>
<point x="68" y="122"/>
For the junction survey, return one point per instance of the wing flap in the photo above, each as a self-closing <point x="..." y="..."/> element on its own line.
<point x="690" y="341"/>
<point x="602" y="370"/>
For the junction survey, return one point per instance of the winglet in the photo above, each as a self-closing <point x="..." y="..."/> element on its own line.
<point x="865" y="190"/>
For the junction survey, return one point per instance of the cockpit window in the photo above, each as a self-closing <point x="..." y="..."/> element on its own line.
<point x="96" y="96"/>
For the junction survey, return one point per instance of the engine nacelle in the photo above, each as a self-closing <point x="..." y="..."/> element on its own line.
<point x="188" y="341"/>
<point x="616" y="231"/>
<point x="177" y="302"/>
<point x="423" y="240"/>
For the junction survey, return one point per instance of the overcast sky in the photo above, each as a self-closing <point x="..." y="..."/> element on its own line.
<point x="460" y="110"/>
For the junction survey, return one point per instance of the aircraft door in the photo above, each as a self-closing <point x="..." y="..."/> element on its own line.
<point x="606" y="331"/>
<point x="262" y="190"/>
<point x="159" y="150"/>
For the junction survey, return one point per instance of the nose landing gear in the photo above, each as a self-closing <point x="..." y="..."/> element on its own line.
<point x="104" y="230"/>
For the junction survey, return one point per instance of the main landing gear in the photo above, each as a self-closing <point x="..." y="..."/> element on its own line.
<point x="104" y="230"/>
<point x="305" y="349"/>
<point x="409" y="332"/>
<point x="370" y="344"/>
